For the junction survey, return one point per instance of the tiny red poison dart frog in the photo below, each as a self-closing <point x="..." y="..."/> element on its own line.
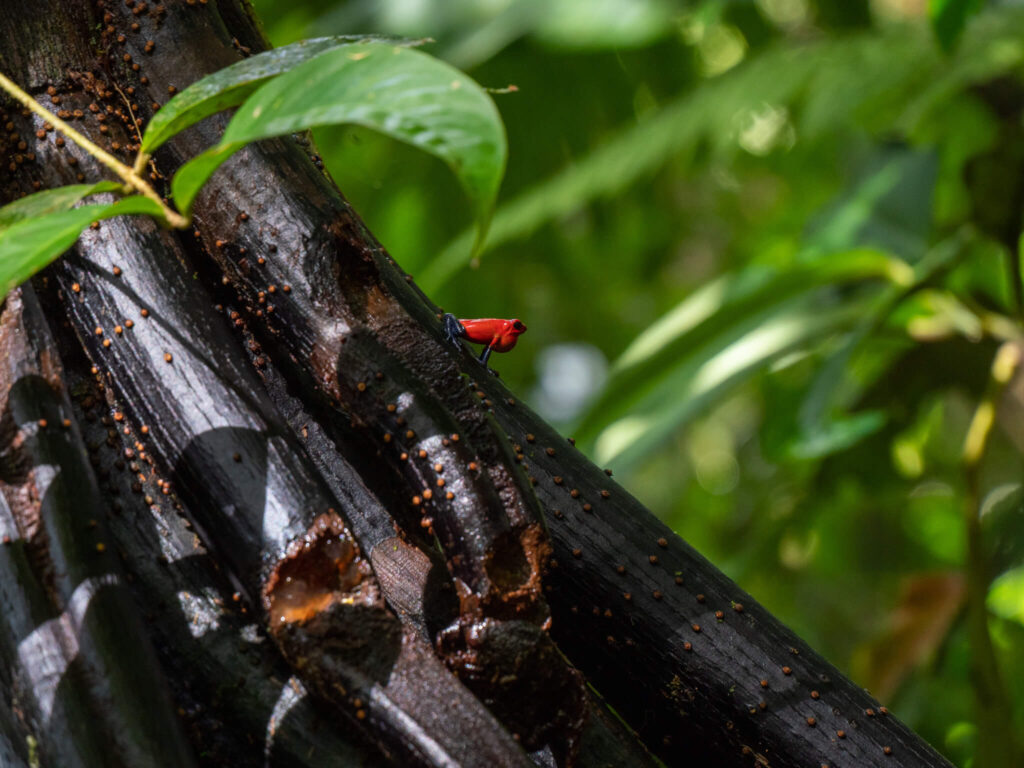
<point x="496" y="335"/>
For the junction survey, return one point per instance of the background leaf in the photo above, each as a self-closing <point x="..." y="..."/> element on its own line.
<point x="888" y="205"/>
<point x="821" y="431"/>
<point x="1002" y="519"/>
<point x="707" y="373"/>
<point x="823" y="87"/>
<point x="722" y="335"/>
<point x="949" y="17"/>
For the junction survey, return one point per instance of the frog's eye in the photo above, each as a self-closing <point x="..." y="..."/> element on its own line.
<point x="518" y="326"/>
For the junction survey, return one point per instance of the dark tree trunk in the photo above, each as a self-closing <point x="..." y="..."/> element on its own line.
<point x="342" y="554"/>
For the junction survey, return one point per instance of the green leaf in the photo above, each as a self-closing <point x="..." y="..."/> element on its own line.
<point x="837" y="435"/>
<point x="51" y="201"/>
<point x="716" y="339"/>
<point x="32" y="243"/>
<point x="192" y="175"/>
<point x="750" y="290"/>
<point x="821" y="432"/>
<point x="825" y="87"/>
<point x="1002" y="528"/>
<point x="479" y="40"/>
<point x="887" y="206"/>
<point x="949" y="17"/>
<point x="608" y="24"/>
<point x="399" y="92"/>
<point x="232" y="85"/>
<point x="706" y="373"/>
<point x="1006" y="595"/>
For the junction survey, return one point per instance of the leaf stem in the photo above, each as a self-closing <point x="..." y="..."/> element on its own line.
<point x="140" y="162"/>
<point x="130" y="176"/>
<point x="996" y="744"/>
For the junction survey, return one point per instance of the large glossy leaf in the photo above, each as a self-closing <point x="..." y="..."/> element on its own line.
<point x="50" y="201"/>
<point x="232" y="85"/>
<point x="718" y="338"/>
<point x="399" y="92"/>
<point x="30" y="244"/>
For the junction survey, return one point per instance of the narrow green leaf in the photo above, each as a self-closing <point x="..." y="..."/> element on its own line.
<point x="706" y="374"/>
<point x="949" y="17"/>
<point x="192" y="175"/>
<point x="708" y="113"/>
<point x="232" y="85"/>
<point x="837" y="435"/>
<point x="50" y="201"/>
<point x="888" y="205"/>
<point x="399" y="92"/>
<point x="32" y="243"/>
<point x="719" y="337"/>
<point x="726" y="299"/>
<point x="1002" y="528"/>
<point x="820" y="432"/>
<point x="825" y="86"/>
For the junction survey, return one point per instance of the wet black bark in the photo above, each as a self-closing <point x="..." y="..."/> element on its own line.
<point x="342" y="550"/>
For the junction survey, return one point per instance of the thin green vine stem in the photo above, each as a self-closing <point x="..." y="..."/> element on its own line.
<point x="996" y="742"/>
<point x="1017" y="278"/>
<point x="140" y="163"/>
<point x="130" y="176"/>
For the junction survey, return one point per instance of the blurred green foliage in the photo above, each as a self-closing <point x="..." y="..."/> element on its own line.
<point x="766" y="250"/>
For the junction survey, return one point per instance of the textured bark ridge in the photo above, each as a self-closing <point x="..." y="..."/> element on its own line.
<point x="344" y="549"/>
<point x="79" y="674"/>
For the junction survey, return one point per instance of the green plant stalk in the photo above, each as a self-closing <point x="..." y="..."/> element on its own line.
<point x="130" y="176"/>
<point x="996" y="742"/>
<point x="140" y="163"/>
<point x="1017" y="277"/>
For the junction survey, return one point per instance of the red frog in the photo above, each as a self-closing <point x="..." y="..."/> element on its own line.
<point x="496" y="335"/>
